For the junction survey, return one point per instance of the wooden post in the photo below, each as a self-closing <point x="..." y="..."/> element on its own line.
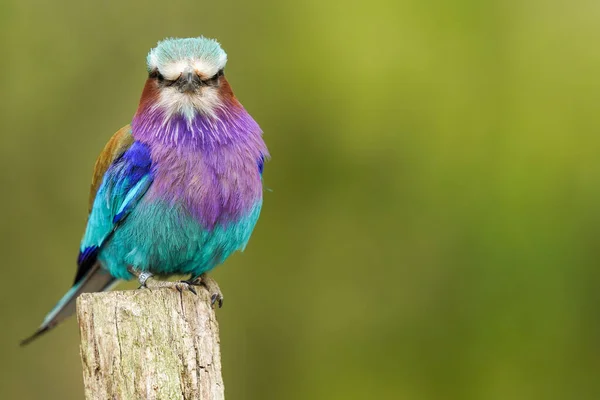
<point x="150" y="344"/>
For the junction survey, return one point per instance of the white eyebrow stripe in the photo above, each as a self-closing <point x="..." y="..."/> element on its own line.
<point x="206" y="69"/>
<point x="172" y="71"/>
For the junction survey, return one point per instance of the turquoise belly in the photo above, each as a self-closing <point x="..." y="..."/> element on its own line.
<point x="164" y="239"/>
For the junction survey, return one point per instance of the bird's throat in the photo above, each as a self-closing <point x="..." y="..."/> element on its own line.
<point x="229" y="124"/>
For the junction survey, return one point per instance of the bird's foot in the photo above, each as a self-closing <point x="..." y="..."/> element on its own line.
<point x="180" y="286"/>
<point x="184" y="285"/>
<point x="148" y="282"/>
<point x="216" y="296"/>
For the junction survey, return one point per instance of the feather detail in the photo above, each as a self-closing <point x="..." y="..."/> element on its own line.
<point x="116" y="146"/>
<point x="124" y="183"/>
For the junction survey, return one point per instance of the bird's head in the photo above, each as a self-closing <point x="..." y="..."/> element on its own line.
<point x="185" y="76"/>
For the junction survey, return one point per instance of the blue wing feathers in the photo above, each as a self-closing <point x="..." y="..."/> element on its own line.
<point x="123" y="185"/>
<point x="133" y="196"/>
<point x="85" y="261"/>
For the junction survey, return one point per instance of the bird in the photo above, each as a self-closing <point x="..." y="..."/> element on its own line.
<point x="176" y="191"/>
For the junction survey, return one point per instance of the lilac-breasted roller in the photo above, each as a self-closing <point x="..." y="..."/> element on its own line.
<point x="180" y="188"/>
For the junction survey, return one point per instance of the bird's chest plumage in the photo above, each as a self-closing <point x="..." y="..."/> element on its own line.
<point x="201" y="207"/>
<point x="217" y="186"/>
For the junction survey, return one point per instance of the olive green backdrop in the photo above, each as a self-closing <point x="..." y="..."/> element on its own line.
<point x="433" y="227"/>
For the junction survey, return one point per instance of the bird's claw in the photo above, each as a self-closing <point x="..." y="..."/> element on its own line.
<point x="216" y="296"/>
<point x="184" y="285"/>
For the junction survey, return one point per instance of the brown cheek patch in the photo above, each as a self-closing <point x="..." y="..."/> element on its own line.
<point x="149" y="94"/>
<point x="226" y="94"/>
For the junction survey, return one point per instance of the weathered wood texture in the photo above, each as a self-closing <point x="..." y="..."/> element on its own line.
<point x="150" y="344"/>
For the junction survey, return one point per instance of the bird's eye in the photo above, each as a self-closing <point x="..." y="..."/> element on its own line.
<point x="154" y="74"/>
<point x="215" y="79"/>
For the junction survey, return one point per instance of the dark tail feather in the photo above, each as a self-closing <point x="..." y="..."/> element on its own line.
<point x="96" y="280"/>
<point x="37" y="334"/>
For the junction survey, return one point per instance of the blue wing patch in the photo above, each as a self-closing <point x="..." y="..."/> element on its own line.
<point x="133" y="196"/>
<point x="124" y="184"/>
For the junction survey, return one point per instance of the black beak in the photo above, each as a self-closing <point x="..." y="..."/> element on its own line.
<point x="188" y="82"/>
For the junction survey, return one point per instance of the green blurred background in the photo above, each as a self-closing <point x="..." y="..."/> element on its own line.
<point x="433" y="226"/>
